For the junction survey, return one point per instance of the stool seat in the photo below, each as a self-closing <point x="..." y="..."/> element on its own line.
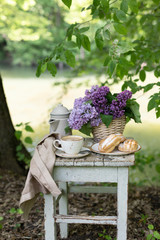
<point x="97" y="160"/>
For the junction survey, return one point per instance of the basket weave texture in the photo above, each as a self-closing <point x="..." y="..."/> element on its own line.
<point x="117" y="126"/>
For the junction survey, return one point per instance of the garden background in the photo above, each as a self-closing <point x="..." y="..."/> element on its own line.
<point x="30" y="31"/>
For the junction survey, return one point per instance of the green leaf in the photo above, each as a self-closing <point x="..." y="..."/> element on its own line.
<point x="158" y="112"/>
<point x="148" y="87"/>
<point x="70" y="44"/>
<point x="105" y="5"/>
<point x="133" y="5"/>
<point x="149" y="236"/>
<point x="157" y="72"/>
<point x="124" y="6"/>
<point x="84" y="29"/>
<point x="70" y="32"/>
<point x="29" y="128"/>
<point x="96" y="3"/>
<point x="19" y="147"/>
<point x="68" y="3"/>
<point x="142" y="75"/>
<point x="110" y="97"/>
<point x="28" y="140"/>
<point x="70" y="58"/>
<point x="106" y="119"/>
<point x="134" y="107"/>
<point x="86" y="129"/>
<point x="51" y="67"/>
<point x="19" y="125"/>
<point x="85" y="42"/>
<point x="67" y="129"/>
<point x="150" y="226"/>
<point x="152" y="103"/>
<point x="156" y="234"/>
<point x="38" y="71"/>
<point x="19" y="211"/>
<point x="156" y="1"/>
<point x="78" y="40"/>
<point x="120" y="28"/>
<point x="1" y="226"/>
<point x="1" y="218"/>
<point x="121" y="15"/>
<point x="18" y="134"/>
<point x="158" y="170"/>
<point x="106" y="61"/>
<point x="99" y="39"/>
<point x="125" y="63"/>
<point x="89" y="101"/>
<point x="121" y="71"/>
<point x="43" y="67"/>
<point x="124" y="47"/>
<point x="106" y="34"/>
<point x="12" y="210"/>
<point x="111" y="67"/>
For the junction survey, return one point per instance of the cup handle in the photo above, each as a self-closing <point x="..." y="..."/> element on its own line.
<point x="54" y="144"/>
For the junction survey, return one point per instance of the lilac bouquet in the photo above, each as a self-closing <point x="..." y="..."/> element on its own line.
<point x="100" y="105"/>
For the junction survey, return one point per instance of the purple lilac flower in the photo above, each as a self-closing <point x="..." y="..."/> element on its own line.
<point x="96" y="121"/>
<point x="123" y="97"/>
<point x="78" y="102"/>
<point x="98" y="97"/>
<point x="81" y="115"/>
<point x="117" y="107"/>
<point x="89" y="108"/>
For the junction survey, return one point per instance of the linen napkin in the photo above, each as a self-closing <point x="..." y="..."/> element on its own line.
<point x="39" y="178"/>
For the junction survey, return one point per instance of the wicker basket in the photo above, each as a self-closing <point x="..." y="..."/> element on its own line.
<point x="117" y="126"/>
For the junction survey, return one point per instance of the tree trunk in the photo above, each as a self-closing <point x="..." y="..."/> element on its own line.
<point x="8" y="141"/>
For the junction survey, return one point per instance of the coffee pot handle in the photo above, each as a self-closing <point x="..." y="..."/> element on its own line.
<point x="54" y="144"/>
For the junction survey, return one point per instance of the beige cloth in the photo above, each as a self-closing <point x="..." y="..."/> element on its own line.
<point x="39" y="178"/>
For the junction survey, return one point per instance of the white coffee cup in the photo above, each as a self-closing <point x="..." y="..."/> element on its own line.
<point x="71" y="144"/>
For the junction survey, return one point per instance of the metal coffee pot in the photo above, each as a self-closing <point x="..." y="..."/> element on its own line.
<point x="59" y="120"/>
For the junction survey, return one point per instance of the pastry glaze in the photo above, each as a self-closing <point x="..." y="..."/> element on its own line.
<point x="108" y="144"/>
<point x="128" y="145"/>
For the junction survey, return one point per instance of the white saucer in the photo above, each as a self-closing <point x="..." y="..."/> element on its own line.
<point x="66" y="155"/>
<point x="94" y="148"/>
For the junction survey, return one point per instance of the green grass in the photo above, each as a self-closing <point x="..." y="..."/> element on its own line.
<point x="147" y="135"/>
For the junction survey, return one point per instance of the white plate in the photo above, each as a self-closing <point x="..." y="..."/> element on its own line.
<point x="79" y="155"/>
<point x="94" y="148"/>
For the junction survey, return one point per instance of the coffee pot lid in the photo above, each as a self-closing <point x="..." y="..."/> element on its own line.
<point x="60" y="110"/>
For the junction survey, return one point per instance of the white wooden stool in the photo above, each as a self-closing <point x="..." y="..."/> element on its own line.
<point x="93" y="168"/>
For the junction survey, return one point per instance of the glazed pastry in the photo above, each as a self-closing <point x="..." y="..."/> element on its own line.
<point x="128" y="145"/>
<point x="108" y="144"/>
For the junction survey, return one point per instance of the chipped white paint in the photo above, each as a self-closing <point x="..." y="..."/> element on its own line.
<point x="93" y="168"/>
<point x="97" y="160"/>
<point x="49" y="212"/>
<point x="122" y="200"/>
<point x="63" y="208"/>
<point x="111" y="220"/>
<point x="85" y="174"/>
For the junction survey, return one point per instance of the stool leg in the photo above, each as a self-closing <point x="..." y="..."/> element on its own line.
<point x="49" y="213"/>
<point x="122" y="198"/>
<point x="63" y="208"/>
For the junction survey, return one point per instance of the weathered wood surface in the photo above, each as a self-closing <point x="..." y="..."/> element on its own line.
<point x="49" y="220"/>
<point x="92" y="189"/>
<point x="85" y="174"/>
<point x="63" y="208"/>
<point x="122" y="202"/>
<point x="111" y="220"/>
<point x="97" y="160"/>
